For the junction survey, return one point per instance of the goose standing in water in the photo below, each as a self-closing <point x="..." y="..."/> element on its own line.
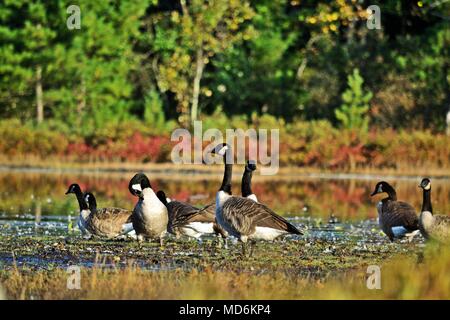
<point x="244" y="218"/>
<point x="246" y="192"/>
<point x="185" y="219"/>
<point x="106" y="222"/>
<point x="84" y="209"/>
<point x="432" y="226"/>
<point x="397" y="219"/>
<point x="150" y="215"/>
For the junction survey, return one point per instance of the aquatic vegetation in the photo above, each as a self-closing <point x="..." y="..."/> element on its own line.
<point x="406" y="276"/>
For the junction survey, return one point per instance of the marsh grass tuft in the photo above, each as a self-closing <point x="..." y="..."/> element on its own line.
<point x="421" y="275"/>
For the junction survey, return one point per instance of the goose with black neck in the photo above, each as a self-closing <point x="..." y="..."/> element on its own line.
<point x="149" y="217"/>
<point x="242" y="217"/>
<point x="75" y="189"/>
<point x="431" y="226"/>
<point x="246" y="185"/>
<point x="397" y="219"/>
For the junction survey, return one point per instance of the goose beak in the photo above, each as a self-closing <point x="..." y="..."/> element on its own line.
<point x="373" y="193"/>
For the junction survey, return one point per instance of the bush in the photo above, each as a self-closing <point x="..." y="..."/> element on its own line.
<point x="310" y="144"/>
<point x="18" y="139"/>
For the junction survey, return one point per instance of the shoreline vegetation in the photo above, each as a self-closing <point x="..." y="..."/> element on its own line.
<point x="305" y="147"/>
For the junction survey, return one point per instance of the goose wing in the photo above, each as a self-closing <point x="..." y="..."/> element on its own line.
<point x="209" y="211"/>
<point x="118" y="215"/>
<point x="398" y="213"/>
<point x="245" y="215"/>
<point x="110" y="221"/>
<point x="181" y="213"/>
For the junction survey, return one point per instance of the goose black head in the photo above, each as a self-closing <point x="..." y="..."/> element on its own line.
<point x="74" y="188"/>
<point x="382" y="187"/>
<point x="251" y="165"/>
<point x="425" y="184"/>
<point x="90" y="200"/>
<point x="138" y="183"/>
<point x="221" y="149"/>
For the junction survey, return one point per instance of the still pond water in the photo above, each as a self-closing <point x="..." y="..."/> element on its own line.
<point x="37" y="198"/>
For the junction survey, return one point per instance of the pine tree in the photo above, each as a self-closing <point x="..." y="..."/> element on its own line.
<point x="353" y="112"/>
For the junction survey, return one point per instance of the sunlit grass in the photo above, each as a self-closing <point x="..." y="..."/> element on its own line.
<point x="404" y="277"/>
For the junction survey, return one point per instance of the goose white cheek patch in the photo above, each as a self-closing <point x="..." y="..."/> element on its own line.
<point x="136" y="187"/>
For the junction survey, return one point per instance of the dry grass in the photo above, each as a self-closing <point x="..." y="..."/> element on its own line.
<point x="405" y="277"/>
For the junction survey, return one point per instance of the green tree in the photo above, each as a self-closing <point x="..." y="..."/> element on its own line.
<point x="353" y="112"/>
<point x="186" y="40"/>
<point x="153" y="111"/>
<point x="27" y="38"/>
<point x="99" y="61"/>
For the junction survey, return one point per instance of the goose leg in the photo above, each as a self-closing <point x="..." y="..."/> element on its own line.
<point x="218" y="241"/>
<point x="243" y="249"/>
<point x="244" y="244"/>
<point x="252" y="247"/>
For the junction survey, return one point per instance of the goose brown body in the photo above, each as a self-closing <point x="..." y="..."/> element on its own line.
<point x="245" y="218"/>
<point x="394" y="214"/>
<point x="105" y="222"/>
<point x="186" y="219"/>
<point x="438" y="228"/>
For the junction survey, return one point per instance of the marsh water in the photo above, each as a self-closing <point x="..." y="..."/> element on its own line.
<point x="334" y="208"/>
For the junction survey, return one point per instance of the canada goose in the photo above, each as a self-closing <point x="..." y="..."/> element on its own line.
<point x="84" y="210"/>
<point x="246" y="185"/>
<point x="150" y="215"/>
<point x="396" y="218"/>
<point x="432" y="226"/>
<point x="186" y="219"/>
<point x="106" y="222"/>
<point x="246" y="190"/>
<point x="244" y="218"/>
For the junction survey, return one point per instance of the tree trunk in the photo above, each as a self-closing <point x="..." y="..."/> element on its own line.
<point x="39" y="95"/>
<point x="82" y="100"/>
<point x="196" y="88"/>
